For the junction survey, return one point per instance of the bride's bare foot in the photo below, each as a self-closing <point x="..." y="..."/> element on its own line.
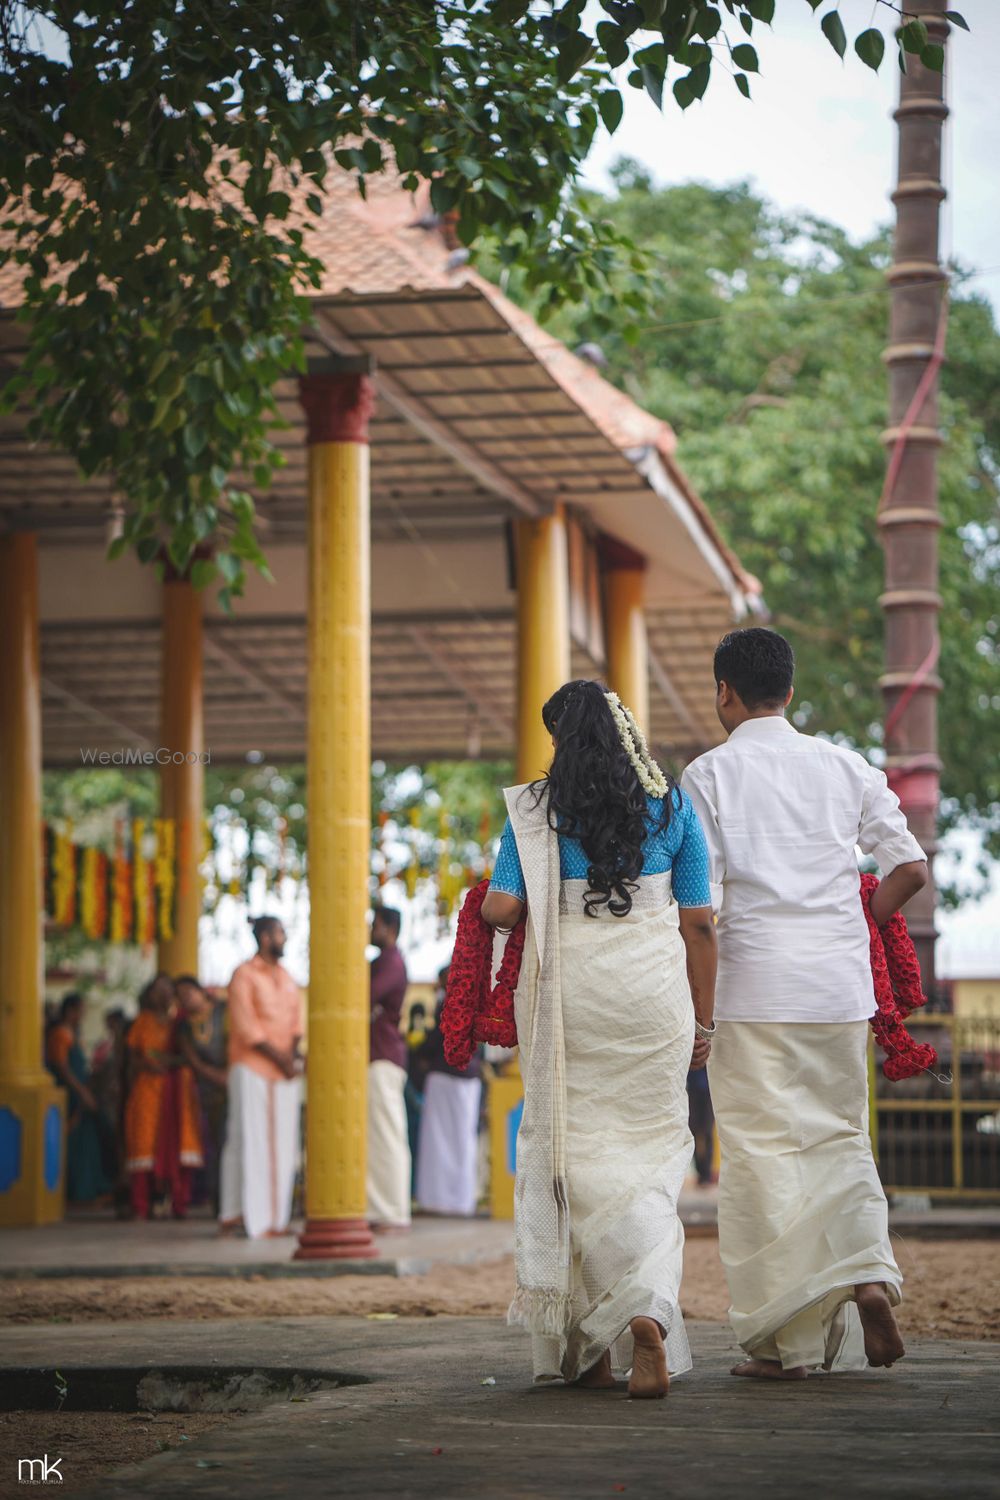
<point x="883" y="1344"/>
<point x="768" y="1369"/>
<point x="649" y="1378"/>
<point x="599" y="1376"/>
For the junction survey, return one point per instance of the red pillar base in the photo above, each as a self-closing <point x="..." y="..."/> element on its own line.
<point x="336" y="1239"/>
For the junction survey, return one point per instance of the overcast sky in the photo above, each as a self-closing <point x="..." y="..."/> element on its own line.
<point x="819" y="134"/>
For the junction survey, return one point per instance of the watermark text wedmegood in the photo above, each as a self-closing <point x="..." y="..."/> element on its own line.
<point x="130" y="756"/>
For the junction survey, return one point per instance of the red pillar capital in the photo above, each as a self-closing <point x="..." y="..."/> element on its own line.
<point x="337" y="405"/>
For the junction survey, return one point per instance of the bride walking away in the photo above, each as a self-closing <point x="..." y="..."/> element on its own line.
<point x="610" y="859"/>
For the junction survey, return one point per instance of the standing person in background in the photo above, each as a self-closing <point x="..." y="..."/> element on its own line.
<point x="107" y="1072"/>
<point x="179" y="1150"/>
<point x="149" y="1058"/>
<point x="265" y="1090"/>
<point x="202" y="1044"/>
<point x="85" y="1175"/>
<point x="389" y="1163"/>
<point x="413" y="1094"/>
<point x="448" y="1152"/>
<point x="803" y="1220"/>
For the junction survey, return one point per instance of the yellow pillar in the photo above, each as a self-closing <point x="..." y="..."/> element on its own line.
<point x="32" y="1128"/>
<point x="543" y="656"/>
<point x="625" y="628"/>
<point x="337" y="407"/>
<point x="182" y="772"/>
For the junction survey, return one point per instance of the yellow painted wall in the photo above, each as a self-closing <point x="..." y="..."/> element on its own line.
<point x="976" y="999"/>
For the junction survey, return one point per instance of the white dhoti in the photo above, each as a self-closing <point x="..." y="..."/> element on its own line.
<point x="448" y="1148"/>
<point x="259" y="1159"/>
<point x="803" y="1219"/>
<point x="389" y="1163"/>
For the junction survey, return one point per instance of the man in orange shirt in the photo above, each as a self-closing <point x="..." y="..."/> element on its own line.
<point x="265" y="1090"/>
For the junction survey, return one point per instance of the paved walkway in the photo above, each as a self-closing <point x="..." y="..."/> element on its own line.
<point x="427" y="1425"/>
<point x="100" y="1245"/>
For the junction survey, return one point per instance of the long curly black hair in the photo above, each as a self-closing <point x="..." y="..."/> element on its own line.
<point x="594" y="794"/>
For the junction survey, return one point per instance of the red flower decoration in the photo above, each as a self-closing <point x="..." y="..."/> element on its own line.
<point x="898" y="991"/>
<point x="476" y="1010"/>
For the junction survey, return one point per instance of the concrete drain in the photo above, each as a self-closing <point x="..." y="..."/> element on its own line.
<point x="163" y="1388"/>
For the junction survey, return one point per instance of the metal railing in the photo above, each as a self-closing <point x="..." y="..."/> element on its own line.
<point x="942" y="1138"/>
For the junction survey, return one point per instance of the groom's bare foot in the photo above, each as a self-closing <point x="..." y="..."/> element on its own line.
<point x="599" y="1376"/>
<point x="649" y="1378"/>
<point x="768" y="1369"/>
<point x="883" y="1344"/>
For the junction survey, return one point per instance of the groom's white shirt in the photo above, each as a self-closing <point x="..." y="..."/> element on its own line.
<point x="783" y="814"/>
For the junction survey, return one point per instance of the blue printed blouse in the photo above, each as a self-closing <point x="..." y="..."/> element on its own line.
<point x="679" y="848"/>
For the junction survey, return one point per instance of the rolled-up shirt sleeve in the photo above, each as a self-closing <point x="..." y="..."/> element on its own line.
<point x="244" y="1021"/>
<point x="883" y="832"/>
<point x="508" y="876"/>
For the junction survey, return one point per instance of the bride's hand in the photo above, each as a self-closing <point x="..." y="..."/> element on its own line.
<point x="700" y="1053"/>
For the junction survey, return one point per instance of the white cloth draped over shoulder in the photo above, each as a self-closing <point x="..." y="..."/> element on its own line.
<point x="605" y="1025"/>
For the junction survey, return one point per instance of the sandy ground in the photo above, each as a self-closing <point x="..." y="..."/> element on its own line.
<point x="97" y="1442"/>
<point x="952" y="1290"/>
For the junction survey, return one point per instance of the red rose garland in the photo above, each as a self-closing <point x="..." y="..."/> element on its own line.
<point x="475" y="1010"/>
<point x="898" y="991"/>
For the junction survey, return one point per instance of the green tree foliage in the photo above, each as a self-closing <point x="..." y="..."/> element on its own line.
<point x="160" y="162"/>
<point x="763" y="351"/>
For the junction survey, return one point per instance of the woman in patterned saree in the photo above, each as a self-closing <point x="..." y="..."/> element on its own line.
<point x="617" y="978"/>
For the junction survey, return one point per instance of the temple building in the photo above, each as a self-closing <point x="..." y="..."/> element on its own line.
<point x="468" y="515"/>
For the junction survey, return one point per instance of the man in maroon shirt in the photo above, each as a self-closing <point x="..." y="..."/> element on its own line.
<point x="388" y="1143"/>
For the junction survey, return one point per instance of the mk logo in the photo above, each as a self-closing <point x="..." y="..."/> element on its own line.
<point x="39" y="1470"/>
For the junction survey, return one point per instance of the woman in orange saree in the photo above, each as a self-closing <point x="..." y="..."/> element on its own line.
<point x="148" y="1052"/>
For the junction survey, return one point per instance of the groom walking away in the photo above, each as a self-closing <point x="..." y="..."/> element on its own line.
<point x="803" y="1221"/>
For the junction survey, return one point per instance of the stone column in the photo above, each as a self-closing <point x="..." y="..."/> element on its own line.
<point x="625" y="626"/>
<point x="909" y="518"/>
<point x="32" y="1148"/>
<point x="543" y="649"/>
<point x="338" y="401"/>
<point x="182" y="771"/>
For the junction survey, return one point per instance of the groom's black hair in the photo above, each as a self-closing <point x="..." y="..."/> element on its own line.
<point x="757" y="664"/>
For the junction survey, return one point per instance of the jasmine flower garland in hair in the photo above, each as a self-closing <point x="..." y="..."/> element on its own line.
<point x="651" y="778"/>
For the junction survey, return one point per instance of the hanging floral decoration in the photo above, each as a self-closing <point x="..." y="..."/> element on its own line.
<point x="477" y="1009"/>
<point x="122" y="904"/>
<point x="898" y="992"/>
<point x="164" y="866"/>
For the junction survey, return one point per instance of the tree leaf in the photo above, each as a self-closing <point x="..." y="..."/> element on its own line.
<point x="914" y="36"/>
<point x="743" y="84"/>
<point x="652" y="78"/>
<point x="957" y="19"/>
<point x="203" y="572"/>
<point x="745" y="57"/>
<point x="611" y="106"/>
<point x="832" y="28"/>
<point x="614" y="41"/>
<point x="572" y="56"/>
<point x="933" y="57"/>
<point x="870" y="47"/>
<point x="761" y="10"/>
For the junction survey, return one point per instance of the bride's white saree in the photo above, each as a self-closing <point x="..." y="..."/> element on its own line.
<point x="605" y="1026"/>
